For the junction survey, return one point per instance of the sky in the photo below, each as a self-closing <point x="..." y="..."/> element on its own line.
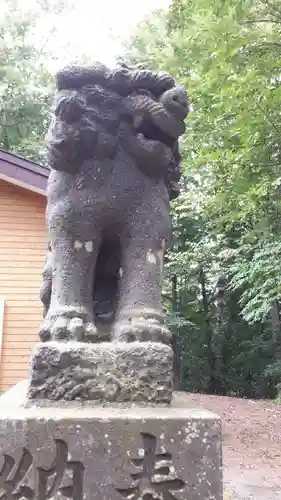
<point x="95" y="28"/>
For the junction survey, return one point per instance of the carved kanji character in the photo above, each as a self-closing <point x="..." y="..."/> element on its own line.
<point x="11" y="478"/>
<point x="50" y="480"/>
<point x="154" y="480"/>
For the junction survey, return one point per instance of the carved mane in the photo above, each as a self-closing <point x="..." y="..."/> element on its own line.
<point x="92" y="120"/>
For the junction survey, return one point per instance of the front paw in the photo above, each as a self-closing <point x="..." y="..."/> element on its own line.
<point x="141" y="330"/>
<point x="68" y="323"/>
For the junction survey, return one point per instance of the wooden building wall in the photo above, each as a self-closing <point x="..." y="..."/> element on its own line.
<point x="23" y="243"/>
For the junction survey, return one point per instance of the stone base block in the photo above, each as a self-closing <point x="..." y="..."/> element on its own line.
<point x="103" y="453"/>
<point x="133" y="372"/>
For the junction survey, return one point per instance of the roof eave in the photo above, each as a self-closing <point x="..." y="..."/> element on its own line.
<point x="23" y="173"/>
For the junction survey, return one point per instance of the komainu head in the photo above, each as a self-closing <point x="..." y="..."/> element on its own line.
<point x="99" y="112"/>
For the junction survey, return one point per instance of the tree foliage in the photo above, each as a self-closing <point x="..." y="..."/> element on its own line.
<point x="223" y="272"/>
<point x="25" y="85"/>
<point x="223" y="277"/>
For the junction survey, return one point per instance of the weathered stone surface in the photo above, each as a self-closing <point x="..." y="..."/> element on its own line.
<point x="106" y="372"/>
<point x="114" y="159"/>
<point x="113" y="152"/>
<point x="108" y="454"/>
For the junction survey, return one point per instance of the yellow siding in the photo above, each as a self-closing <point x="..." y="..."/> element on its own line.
<point x="23" y="243"/>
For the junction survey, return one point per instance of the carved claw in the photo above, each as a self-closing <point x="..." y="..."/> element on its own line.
<point x="68" y="324"/>
<point x="142" y="330"/>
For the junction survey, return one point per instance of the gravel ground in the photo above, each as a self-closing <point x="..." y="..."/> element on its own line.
<point x="251" y="445"/>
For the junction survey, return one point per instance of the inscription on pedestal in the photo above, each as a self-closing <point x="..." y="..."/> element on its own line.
<point x="95" y="453"/>
<point x="156" y="477"/>
<point x="49" y="482"/>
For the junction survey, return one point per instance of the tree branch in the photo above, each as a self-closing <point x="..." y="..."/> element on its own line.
<point x="268" y="119"/>
<point x="46" y="41"/>
<point x="269" y="4"/>
<point x="256" y="21"/>
<point x="270" y="44"/>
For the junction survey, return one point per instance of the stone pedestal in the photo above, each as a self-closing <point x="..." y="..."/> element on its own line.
<point x="84" y="452"/>
<point x="122" y="372"/>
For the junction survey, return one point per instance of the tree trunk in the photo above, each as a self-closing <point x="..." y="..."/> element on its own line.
<point x="211" y="358"/>
<point x="276" y="327"/>
<point x="175" y="340"/>
<point x="276" y="332"/>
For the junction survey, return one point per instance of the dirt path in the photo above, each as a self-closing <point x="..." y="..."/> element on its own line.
<point x="251" y="446"/>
